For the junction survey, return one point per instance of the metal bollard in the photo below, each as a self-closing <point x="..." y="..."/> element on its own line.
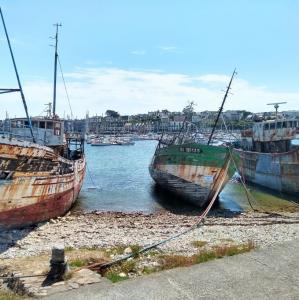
<point x="58" y="266"/>
<point x="57" y="255"/>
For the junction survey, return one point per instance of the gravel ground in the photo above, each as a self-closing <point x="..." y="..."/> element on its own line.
<point x="108" y="229"/>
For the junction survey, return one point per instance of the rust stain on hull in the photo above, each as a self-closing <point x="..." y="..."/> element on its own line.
<point x="195" y="180"/>
<point x="277" y="171"/>
<point x="36" y="184"/>
<point x="198" y="191"/>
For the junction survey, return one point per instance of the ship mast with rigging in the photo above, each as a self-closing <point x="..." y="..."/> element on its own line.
<point x="221" y="107"/>
<point x="20" y="89"/>
<point x="55" y="69"/>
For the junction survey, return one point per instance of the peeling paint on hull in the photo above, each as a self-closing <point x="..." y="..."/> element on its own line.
<point x="33" y="195"/>
<point x="194" y="176"/>
<point x="277" y="171"/>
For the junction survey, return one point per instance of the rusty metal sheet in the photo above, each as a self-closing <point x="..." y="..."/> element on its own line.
<point x="36" y="184"/>
<point x="278" y="171"/>
<point x="269" y="131"/>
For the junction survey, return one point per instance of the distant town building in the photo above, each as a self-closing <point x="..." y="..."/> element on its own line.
<point x="233" y="115"/>
<point x="161" y="121"/>
<point x="292" y="114"/>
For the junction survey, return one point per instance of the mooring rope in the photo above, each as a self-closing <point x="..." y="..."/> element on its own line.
<point x="247" y="191"/>
<point x="21" y="276"/>
<point x="99" y="266"/>
<point x="202" y="216"/>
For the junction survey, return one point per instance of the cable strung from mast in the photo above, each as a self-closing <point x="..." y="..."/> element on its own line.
<point x="66" y="92"/>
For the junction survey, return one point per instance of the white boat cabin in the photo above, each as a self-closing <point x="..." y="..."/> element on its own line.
<point x="47" y="131"/>
<point x="270" y="136"/>
<point x="274" y="130"/>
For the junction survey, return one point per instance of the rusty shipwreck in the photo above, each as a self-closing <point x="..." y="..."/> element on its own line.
<point x="266" y="156"/>
<point x="197" y="172"/>
<point x="41" y="168"/>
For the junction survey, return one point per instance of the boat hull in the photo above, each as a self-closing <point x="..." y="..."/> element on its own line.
<point x="101" y="144"/>
<point x="35" y="193"/>
<point x="277" y="171"/>
<point x="195" y="177"/>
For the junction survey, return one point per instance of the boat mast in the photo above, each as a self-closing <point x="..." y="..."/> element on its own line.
<point x="18" y="79"/>
<point x="221" y="107"/>
<point x="55" y="69"/>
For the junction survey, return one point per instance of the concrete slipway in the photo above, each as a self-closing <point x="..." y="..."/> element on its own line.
<point x="271" y="273"/>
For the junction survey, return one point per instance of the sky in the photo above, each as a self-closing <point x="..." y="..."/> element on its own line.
<point x="136" y="56"/>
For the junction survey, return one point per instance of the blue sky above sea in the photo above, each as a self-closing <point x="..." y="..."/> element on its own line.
<point x="136" y="56"/>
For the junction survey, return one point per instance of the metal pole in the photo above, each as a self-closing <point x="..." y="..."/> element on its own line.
<point x="221" y="108"/>
<point x="18" y="79"/>
<point x="55" y="69"/>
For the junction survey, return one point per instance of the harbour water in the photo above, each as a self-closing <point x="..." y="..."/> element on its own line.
<point x="117" y="179"/>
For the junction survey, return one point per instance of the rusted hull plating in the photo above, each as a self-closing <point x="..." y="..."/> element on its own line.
<point x="36" y="184"/>
<point x="195" y="193"/>
<point x="195" y="183"/>
<point x="277" y="171"/>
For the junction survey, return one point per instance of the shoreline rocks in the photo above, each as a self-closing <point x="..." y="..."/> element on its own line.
<point x="28" y="250"/>
<point x="106" y="229"/>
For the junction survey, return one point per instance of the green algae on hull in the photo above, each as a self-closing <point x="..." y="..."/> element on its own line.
<point x="193" y="171"/>
<point x="193" y="154"/>
<point x="260" y="198"/>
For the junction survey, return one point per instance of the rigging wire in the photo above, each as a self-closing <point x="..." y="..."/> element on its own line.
<point x="69" y="102"/>
<point x="91" y="178"/>
<point x="66" y="92"/>
<point x="237" y="169"/>
<point x="200" y="222"/>
<point x="196" y="225"/>
<point x="247" y="191"/>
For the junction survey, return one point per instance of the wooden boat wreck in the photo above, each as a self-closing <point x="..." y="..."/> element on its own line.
<point x="266" y="156"/>
<point x="41" y="168"/>
<point x="195" y="171"/>
<point x="37" y="183"/>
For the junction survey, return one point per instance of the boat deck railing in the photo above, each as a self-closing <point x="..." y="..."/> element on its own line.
<point x="19" y="137"/>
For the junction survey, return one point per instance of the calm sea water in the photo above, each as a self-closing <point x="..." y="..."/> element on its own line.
<point x="117" y="179"/>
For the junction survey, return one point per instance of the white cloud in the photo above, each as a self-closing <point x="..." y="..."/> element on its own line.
<point x="138" y="52"/>
<point x="213" y="78"/>
<point x="167" y="48"/>
<point x="135" y="91"/>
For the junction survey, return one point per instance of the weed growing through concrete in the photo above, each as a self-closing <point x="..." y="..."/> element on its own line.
<point x="68" y="248"/>
<point x="198" y="244"/>
<point x="77" y="263"/>
<point x="173" y="261"/>
<point x="114" y="277"/>
<point x="117" y="250"/>
<point x="6" y="295"/>
<point x="128" y="266"/>
<point x="156" y="262"/>
<point x="135" y="250"/>
<point x="166" y="261"/>
<point x="149" y="270"/>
